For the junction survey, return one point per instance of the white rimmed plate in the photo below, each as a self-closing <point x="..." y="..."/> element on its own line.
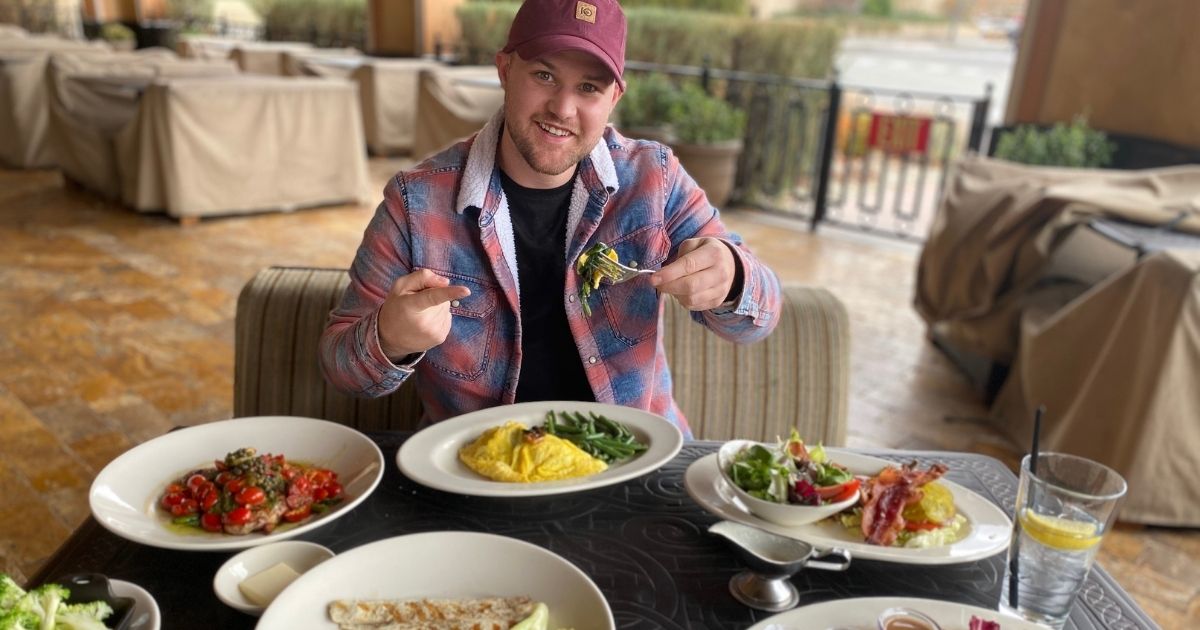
<point x="988" y="528"/>
<point x="442" y="565"/>
<point x="125" y="494"/>
<point x="430" y="457"/>
<point x="861" y="612"/>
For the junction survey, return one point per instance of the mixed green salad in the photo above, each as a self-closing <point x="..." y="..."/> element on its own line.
<point x="45" y="608"/>
<point x="792" y="473"/>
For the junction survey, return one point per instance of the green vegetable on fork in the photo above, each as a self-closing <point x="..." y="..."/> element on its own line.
<point x="594" y="265"/>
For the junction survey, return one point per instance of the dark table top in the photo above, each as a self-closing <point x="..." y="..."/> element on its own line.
<point x="644" y="542"/>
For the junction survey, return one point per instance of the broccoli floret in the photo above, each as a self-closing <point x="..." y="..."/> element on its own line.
<point x="10" y="592"/>
<point x="44" y="601"/>
<point x="88" y="616"/>
<point x="20" y="620"/>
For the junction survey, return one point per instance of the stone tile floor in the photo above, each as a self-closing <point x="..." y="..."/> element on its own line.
<point x="116" y="326"/>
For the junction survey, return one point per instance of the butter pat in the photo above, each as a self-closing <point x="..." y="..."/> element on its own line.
<point x="262" y="587"/>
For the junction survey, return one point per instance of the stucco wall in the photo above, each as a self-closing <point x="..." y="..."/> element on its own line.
<point x="1133" y="66"/>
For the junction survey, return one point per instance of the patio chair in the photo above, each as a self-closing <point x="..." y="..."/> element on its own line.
<point x="797" y="377"/>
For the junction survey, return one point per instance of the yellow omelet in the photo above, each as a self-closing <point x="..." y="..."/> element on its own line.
<point x="505" y="454"/>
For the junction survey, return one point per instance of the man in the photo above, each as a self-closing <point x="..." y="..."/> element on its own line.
<point x="466" y="277"/>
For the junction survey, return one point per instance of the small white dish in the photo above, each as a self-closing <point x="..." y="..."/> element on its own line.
<point x="145" y="615"/>
<point x="785" y="514"/>
<point x="297" y="554"/>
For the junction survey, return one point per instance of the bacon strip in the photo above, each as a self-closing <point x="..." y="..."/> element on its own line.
<point x="887" y="494"/>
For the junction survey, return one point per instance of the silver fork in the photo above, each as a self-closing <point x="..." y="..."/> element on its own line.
<point x="623" y="273"/>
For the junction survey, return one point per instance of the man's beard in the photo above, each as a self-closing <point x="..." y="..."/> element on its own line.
<point x="539" y="158"/>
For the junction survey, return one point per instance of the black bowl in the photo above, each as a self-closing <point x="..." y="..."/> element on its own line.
<point x="90" y="587"/>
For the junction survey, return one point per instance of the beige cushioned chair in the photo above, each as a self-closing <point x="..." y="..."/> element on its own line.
<point x="796" y="377"/>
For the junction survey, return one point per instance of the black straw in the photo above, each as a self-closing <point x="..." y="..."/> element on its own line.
<point x="1014" y="559"/>
<point x="1037" y="430"/>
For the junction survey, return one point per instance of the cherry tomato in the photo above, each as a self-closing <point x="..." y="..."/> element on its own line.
<point x="319" y="478"/>
<point x="171" y="499"/>
<point x="209" y="500"/>
<point x="233" y="485"/>
<point x="174" y="488"/>
<point x="250" y="496"/>
<point x="238" y="516"/>
<point x="320" y="494"/>
<point x="195" y="481"/>
<point x="840" y="492"/>
<point x="334" y="488"/>
<point x="211" y="521"/>
<point x="223" y="477"/>
<point x="298" y="514"/>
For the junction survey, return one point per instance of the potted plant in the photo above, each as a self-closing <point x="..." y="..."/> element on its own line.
<point x="708" y="133"/>
<point x="645" y="109"/>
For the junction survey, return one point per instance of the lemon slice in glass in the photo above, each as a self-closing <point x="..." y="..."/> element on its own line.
<point x="1058" y="532"/>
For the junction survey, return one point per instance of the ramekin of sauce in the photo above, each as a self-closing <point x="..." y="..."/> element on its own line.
<point x="906" y="619"/>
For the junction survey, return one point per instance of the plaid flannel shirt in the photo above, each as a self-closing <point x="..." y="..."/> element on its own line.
<point x="449" y="215"/>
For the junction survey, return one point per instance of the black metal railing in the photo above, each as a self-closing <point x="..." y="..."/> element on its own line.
<point x="809" y="151"/>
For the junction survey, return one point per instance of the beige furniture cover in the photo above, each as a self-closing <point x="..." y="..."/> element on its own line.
<point x="295" y="62"/>
<point x="265" y="57"/>
<point x="205" y="46"/>
<point x="92" y="97"/>
<point x="24" y="107"/>
<point x="1117" y="363"/>
<point x="12" y="31"/>
<point x="796" y="377"/>
<point x="223" y="145"/>
<point x="387" y="89"/>
<point x="452" y="103"/>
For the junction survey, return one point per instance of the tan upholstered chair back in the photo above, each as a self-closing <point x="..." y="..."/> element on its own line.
<point x="795" y="377"/>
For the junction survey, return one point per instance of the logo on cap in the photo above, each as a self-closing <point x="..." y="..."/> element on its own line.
<point x="585" y="12"/>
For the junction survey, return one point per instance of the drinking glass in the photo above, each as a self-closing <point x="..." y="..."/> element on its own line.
<point x="1063" y="511"/>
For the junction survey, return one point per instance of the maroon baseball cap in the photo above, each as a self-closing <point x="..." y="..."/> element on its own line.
<point x="597" y="27"/>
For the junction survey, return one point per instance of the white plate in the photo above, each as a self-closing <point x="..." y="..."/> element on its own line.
<point x="145" y="615"/>
<point x="988" y="527"/>
<point x="125" y="494"/>
<point x="442" y="565"/>
<point x="862" y="613"/>
<point x="430" y="457"/>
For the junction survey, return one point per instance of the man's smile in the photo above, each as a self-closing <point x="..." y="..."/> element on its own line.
<point x="553" y="130"/>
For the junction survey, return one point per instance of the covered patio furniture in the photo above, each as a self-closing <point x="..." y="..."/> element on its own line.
<point x="387" y="90"/>
<point x="237" y="144"/>
<point x="295" y="62"/>
<point x="265" y="57"/>
<point x="1110" y="344"/>
<point x="94" y="96"/>
<point x="24" y="106"/>
<point x="452" y="103"/>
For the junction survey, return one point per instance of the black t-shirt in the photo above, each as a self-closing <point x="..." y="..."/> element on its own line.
<point x="550" y="368"/>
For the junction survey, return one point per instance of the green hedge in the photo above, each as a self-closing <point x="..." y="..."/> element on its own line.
<point x="321" y="22"/>
<point x="788" y="47"/>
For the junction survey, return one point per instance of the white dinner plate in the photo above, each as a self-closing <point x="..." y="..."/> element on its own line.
<point x="863" y="611"/>
<point x="442" y="565"/>
<point x="124" y="497"/>
<point x="145" y="614"/>
<point x="430" y="457"/>
<point x="988" y="526"/>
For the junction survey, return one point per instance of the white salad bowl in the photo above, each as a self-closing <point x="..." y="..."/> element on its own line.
<point x="784" y="514"/>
